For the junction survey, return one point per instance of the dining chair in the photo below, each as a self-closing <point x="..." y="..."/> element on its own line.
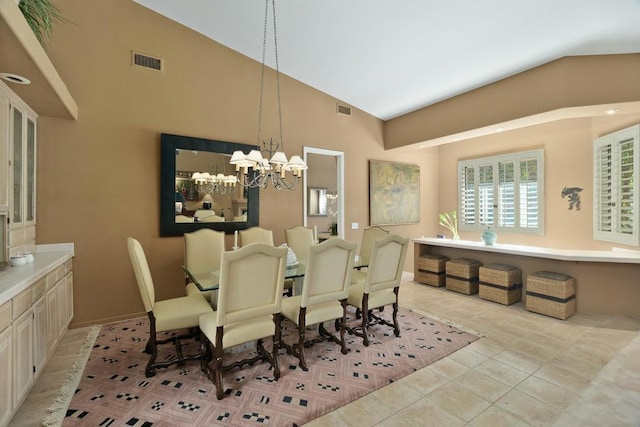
<point x="369" y="235"/>
<point x="202" y="252"/>
<point x="167" y="315"/>
<point x="324" y="296"/>
<point x="183" y="218"/>
<point x="203" y="213"/>
<point x="256" y="235"/>
<point x="379" y="285"/>
<point x="300" y="239"/>
<point x="211" y="218"/>
<point x="261" y="235"/>
<point x="249" y="303"/>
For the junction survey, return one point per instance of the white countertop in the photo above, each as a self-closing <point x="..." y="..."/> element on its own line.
<point x="614" y="256"/>
<point x="47" y="258"/>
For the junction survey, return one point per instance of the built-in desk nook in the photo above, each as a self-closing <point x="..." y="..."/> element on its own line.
<point x="607" y="282"/>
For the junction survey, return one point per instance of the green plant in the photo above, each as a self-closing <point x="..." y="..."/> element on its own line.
<point x="449" y="220"/>
<point x="41" y="15"/>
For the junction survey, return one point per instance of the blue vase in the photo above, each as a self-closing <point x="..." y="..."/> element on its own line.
<point x="489" y="236"/>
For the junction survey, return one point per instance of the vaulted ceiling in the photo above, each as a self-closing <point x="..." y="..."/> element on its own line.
<point x="389" y="58"/>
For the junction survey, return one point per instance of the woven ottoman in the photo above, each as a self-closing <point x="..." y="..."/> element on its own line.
<point x="551" y="294"/>
<point x="431" y="269"/>
<point x="501" y="283"/>
<point x="462" y="275"/>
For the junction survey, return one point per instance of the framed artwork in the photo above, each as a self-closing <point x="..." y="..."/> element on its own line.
<point x="394" y="193"/>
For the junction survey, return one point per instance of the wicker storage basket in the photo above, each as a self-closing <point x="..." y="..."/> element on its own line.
<point x="462" y="275"/>
<point x="431" y="269"/>
<point x="501" y="283"/>
<point x="551" y="294"/>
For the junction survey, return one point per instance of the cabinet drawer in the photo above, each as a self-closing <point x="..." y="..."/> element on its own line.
<point x="22" y="302"/>
<point x="55" y="276"/>
<point x="5" y="315"/>
<point x="39" y="288"/>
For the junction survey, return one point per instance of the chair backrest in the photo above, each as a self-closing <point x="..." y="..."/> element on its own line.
<point x="212" y="218"/>
<point x="183" y="218"/>
<point x="251" y="282"/>
<point x="203" y="213"/>
<point x="300" y="239"/>
<point x="328" y="274"/>
<point x="142" y="272"/>
<point x="387" y="263"/>
<point x="202" y="250"/>
<point x="369" y="236"/>
<point x="256" y="235"/>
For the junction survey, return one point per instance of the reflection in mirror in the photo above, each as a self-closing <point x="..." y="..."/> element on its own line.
<point x="328" y="173"/>
<point x="187" y="205"/>
<point x="317" y="201"/>
<point x="214" y="202"/>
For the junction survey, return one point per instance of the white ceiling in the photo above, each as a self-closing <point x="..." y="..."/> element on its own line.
<point x="390" y="57"/>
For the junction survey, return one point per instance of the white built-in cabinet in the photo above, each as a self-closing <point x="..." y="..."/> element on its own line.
<point x="18" y="127"/>
<point x="616" y="204"/>
<point x="31" y="326"/>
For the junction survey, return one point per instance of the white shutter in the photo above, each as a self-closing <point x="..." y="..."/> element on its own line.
<point x="467" y="196"/>
<point x="506" y="194"/>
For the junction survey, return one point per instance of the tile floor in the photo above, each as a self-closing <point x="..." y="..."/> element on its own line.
<point x="527" y="370"/>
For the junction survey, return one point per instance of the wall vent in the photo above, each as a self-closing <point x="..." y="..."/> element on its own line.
<point x="146" y="61"/>
<point x="343" y="109"/>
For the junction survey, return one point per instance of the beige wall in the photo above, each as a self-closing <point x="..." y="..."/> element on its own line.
<point x="99" y="176"/>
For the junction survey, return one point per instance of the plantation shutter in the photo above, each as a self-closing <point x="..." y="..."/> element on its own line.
<point x="529" y="193"/>
<point x="506" y="194"/>
<point x="485" y="194"/>
<point x="467" y="211"/>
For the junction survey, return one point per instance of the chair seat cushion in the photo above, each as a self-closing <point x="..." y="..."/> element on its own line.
<point x="358" y="277"/>
<point x="179" y="313"/>
<point x="376" y="299"/>
<point x="192" y="289"/>
<point x="315" y="314"/>
<point x="238" y="332"/>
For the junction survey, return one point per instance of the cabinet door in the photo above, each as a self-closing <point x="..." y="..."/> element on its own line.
<point x="61" y="307"/>
<point x="23" y="354"/>
<point x="6" y="375"/>
<point x="30" y="173"/>
<point x="4" y="151"/>
<point x="17" y="132"/>
<point x="52" y="320"/>
<point x="40" y="336"/>
<point x="69" y="297"/>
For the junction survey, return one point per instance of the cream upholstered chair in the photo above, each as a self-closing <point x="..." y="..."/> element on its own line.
<point x="261" y="235"/>
<point x="203" y="213"/>
<point x="183" y="218"/>
<point x="300" y="239"/>
<point x="324" y="295"/>
<point x="202" y="252"/>
<point x="249" y="300"/>
<point x="379" y="284"/>
<point x="370" y="235"/>
<point x="167" y="315"/>
<point x="211" y="218"/>
<point x="256" y="235"/>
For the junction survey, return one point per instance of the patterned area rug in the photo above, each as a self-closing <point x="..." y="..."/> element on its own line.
<point x="114" y="391"/>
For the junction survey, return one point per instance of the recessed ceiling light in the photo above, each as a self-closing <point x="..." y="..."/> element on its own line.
<point x="498" y="130"/>
<point x="611" y="111"/>
<point x="14" y="78"/>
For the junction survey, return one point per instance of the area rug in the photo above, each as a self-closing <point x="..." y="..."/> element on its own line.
<point x="114" y="391"/>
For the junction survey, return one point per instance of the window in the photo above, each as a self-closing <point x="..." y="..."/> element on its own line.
<point x="616" y="199"/>
<point x="502" y="192"/>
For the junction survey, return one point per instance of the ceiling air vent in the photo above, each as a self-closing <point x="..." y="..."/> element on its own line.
<point x="343" y="109"/>
<point x="146" y="61"/>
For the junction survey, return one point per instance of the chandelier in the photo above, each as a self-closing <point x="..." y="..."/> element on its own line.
<point x="254" y="169"/>
<point x="216" y="183"/>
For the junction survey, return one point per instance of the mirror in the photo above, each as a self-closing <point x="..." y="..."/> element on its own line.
<point x="326" y="171"/>
<point x="317" y="201"/>
<point x="183" y="208"/>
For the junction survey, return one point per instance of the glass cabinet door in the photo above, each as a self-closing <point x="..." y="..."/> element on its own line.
<point x="17" y="166"/>
<point x="31" y="172"/>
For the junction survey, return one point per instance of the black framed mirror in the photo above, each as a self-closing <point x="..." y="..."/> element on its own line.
<point x="183" y="208"/>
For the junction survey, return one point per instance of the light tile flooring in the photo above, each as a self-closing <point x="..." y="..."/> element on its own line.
<point x="527" y="370"/>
